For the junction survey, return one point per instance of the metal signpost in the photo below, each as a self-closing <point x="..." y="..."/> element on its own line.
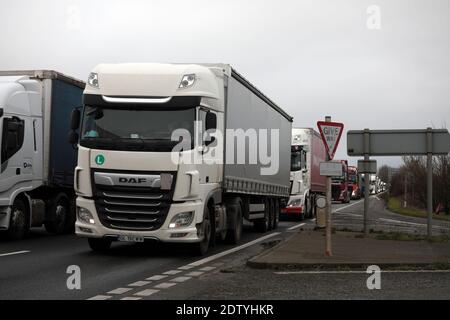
<point x="427" y="142"/>
<point x="331" y="134"/>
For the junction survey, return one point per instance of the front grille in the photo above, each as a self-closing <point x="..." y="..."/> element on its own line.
<point x="132" y="208"/>
<point x="335" y="192"/>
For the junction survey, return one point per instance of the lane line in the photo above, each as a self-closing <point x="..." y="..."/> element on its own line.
<point x="296" y="226"/>
<point x="157" y="277"/>
<point x="139" y="283"/>
<point x="14" y="253"/>
<point x="165" y="285"/>
<point x="233" y="250"/>
<point x="195" y="273"/>
<point x="146" y="292"/>
<point x="186" y="267"/>
<point x="350" y="205"/>
<point x="131" y="298"/>
<point x="120" y="290"/>
<point x="359" y="272"/>
<point x="180" y="279"/>
<point x="100" y="297"/>
<point x="172" y="272"/>
<point x="207" y="268"/>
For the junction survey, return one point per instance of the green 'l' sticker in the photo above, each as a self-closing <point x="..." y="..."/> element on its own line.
<point x="100" y="159"/>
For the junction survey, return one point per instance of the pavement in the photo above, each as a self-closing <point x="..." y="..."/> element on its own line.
<point x="306" y="250"/>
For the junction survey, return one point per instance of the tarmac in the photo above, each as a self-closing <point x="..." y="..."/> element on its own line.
<point x="306" y="250"/>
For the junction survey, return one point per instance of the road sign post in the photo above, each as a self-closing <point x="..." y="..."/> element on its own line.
<point x="427" y="142"/>
<point x="331" y="133"/>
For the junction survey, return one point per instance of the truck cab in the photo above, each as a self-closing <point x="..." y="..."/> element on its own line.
<point x="353" y="183"/>
<point x="339" y="185"/>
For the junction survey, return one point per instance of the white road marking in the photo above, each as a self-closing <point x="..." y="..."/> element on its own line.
<point x="13" y="253"/>
<point x="119" y="291"/>
<point x="172" y="272"/>
<point x="351" y="214"/>
<point x="100" y="297"/>
<point x="131" y="298"/>
<point x="227" y="252"/>
<point x="181" y="279"/>
<point x="146" y="292"/>
<point x="165" y="285"/>
<point x="139" y="283"/>
<point x="359" y="272"/>
<point x="402" y="222"/>
<point x="207" y="268"/>
<point x="350" y="205"/>
<point x="195" y="273"/>
<point x="186" y="267"/>
<point x="157" y="277"/>
<point x="296" y="226"/>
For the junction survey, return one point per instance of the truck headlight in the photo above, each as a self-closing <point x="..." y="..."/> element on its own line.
<point x="295" y="203"/>
<point x="85" y="215"/>
<point x="182" y="219"/>
<point x="93" y="80"/>
<point x="187" y="81"/>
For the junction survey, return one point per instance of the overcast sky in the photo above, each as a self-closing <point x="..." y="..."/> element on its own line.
<point x="375" y="64"/>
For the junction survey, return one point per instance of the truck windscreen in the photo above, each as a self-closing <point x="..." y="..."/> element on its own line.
<point x="134" y="129"/>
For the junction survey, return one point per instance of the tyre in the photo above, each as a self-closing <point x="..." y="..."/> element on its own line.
<point x="18" y="224"/>
<point x="234" y="232"/>
<point x="308" y="208"/>
<point x="263" y="225"/>
<point x="99" y="244"/>
<point x="60" y="215"/>
<point x="206" y="231"/>
<point x="276" y="217"/>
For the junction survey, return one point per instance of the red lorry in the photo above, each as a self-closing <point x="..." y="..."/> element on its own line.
<point x="339" y="185"/>
<point x="353" y="183"/>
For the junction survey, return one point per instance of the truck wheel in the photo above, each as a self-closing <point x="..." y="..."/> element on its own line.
<point x="99" y="244"/>
<point x="201" y="248"/>
<point x="18" y="225"/>
<point x="60" y="215"/>
<point x="276" y="217"/>
<point x="263" y="225"/>
<point x="235" y="227"/>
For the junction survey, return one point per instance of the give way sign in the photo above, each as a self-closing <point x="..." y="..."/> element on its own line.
<point x="331" y="133"/>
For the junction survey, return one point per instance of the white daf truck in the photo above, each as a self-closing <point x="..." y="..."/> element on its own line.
<point x="37" y="163"/>
<point x="307" y="151"/>
<point x="133" y="181"/>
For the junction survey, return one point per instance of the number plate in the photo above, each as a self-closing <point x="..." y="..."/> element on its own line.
<point x="131" y="239"/>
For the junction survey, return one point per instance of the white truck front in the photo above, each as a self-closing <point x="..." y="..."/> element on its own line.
<point x="129" y="183"/>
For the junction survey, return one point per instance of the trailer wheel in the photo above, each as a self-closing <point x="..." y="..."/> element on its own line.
<point x="201" y="248"/>
<point x="99" y="244"/>
<point x="235" y="223"/>
<point x="60" y="215"/>
<point x="276" y="217"/>
<point x="263" y="225"/>
<point x="18" y="225"/>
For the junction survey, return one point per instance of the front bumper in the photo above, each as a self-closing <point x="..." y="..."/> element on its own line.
<point x="187" y="234"/>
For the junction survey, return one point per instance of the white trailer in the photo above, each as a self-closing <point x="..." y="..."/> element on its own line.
<point x="37" y="163"/>
<point x="132" y="185"/>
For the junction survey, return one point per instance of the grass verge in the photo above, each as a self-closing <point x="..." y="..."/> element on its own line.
<point x="395" y="205"/>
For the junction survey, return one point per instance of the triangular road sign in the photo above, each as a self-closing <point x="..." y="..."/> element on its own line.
<point x="331" y="133"/>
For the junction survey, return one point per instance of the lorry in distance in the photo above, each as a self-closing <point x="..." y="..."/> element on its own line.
<point x="307" y="151"/>
<point x="339" y="185"/>
<point x="37" y="163"/>
<point x="354" y="183"/>
<point x="134" y="185"/>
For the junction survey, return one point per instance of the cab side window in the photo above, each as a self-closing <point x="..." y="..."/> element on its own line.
<point x="12" y="137"/>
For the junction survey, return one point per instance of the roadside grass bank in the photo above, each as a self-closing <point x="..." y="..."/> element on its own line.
<point x="394" y="204"/>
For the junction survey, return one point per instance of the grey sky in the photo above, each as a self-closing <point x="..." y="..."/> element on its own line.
<point x="314" y="58"/>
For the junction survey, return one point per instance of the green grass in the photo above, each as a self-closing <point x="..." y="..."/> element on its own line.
<point x="395" y="205"/>
<point x="411" y="237"/>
